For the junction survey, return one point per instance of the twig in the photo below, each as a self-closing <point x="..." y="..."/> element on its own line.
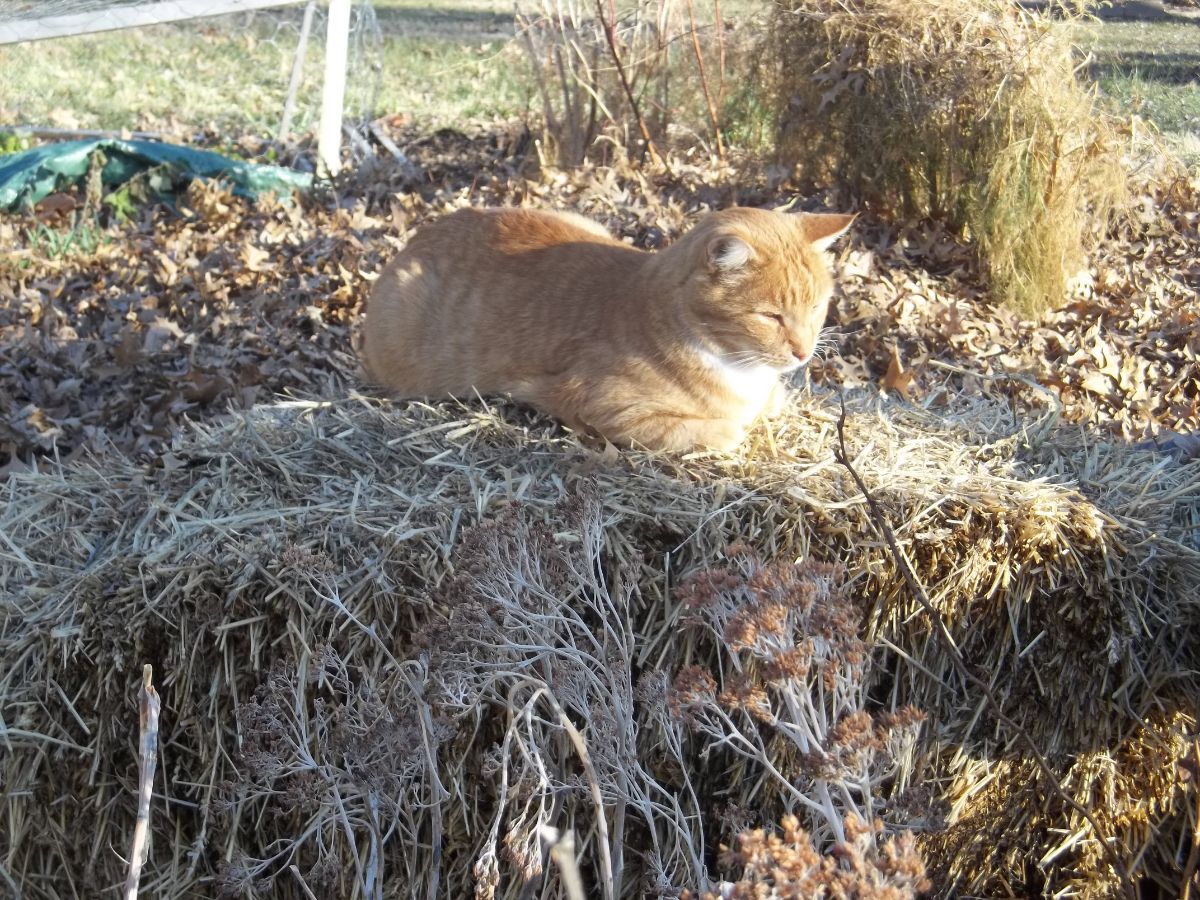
<point x="708" y="99"/>
<point x="606" y="868"/>
<point x="148" y="710"/>
<point x="289" y="103"/>
<point x="720" y="52"/>
<point x="365" y="151"/>
<point x="437" y="791"/>
<point x="373" y="887"/>
<point x="295" y="870"/>
<point x="410" y="171"/>
<point x="562" y="851"/>
<point x="609" y="22"/>
<point x="944" y="637"/>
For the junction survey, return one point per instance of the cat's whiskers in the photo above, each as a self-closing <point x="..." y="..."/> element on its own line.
<point x="745" y="373"/>
<point x="826" y="348"/>
<point x="745" y="360"/>
<point x="828" y="343"/>
<point x="743" y="354"/>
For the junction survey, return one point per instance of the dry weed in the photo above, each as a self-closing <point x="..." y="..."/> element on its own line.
<point x="613" y="83"/>
<point x="519" y="692"/>
<point x="788" y="867"/>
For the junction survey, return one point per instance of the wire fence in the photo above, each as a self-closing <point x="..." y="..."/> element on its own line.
<point x="269" y="39"/>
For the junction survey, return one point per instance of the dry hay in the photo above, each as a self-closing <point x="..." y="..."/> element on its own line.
<point x="969" y="112"/>
<point x="360" y="683"/>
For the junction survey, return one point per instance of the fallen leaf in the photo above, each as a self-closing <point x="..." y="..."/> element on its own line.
<point x="897" y="379"/>
<point x="55" y="206"/>
<point x="255" y="259"/>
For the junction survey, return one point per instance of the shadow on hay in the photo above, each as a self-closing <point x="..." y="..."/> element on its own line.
<point x="294" y="575"/>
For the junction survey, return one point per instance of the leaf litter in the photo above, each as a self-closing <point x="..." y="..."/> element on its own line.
<point x="221" y="302"/>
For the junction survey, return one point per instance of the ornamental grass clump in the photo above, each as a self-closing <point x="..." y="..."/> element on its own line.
<point x="966" y="112"/>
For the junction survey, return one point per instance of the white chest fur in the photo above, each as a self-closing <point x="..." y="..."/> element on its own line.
<point x="750" y="382"/>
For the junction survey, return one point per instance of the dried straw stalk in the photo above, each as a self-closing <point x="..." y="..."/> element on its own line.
<point x="148" y="712"/>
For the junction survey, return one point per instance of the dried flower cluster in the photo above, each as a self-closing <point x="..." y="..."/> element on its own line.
<point x="787" y="866"/>
<point x="794" y="669"/>
<point x="337" y="754"/>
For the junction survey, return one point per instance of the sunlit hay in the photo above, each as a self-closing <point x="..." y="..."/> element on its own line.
<point x="968" y="112"/>
<point x="378" y="677"/>
<point x="1126" y="786"/>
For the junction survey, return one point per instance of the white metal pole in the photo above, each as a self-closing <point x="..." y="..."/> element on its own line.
<point x="337" y="45"/>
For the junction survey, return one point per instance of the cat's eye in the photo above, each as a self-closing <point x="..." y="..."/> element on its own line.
<point x="778" y="317"/>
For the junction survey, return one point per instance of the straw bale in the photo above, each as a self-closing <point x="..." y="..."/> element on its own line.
<point x="295" y="572"/>
<point x="965" y="111"/>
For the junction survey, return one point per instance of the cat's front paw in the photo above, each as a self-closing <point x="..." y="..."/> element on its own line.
<point x="725" y="441"/>
<point x="776" y="401"/>
<point x="714" y="434"/>
<point x="679" y="434"/>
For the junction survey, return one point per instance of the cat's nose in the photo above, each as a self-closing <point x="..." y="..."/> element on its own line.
<point x="797" y="361"/>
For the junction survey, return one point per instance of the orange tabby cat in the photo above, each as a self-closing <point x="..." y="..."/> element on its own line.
<point x="674" y="350"/>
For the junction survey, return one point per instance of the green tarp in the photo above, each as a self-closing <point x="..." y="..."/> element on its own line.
<point x="27" y="177"/>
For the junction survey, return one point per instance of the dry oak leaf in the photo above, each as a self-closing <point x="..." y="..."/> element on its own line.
<point x="54" y="206"/>
<point x="897" y="379"/>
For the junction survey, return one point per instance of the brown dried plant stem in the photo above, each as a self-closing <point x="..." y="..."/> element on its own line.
<point x="708" y="98"/>
<point x="608" y="18"/>
<point x="148" y="710"/>
<point x="720" y="23"/>
<point x="946" y="640"/>
<point x="585" y="758"/>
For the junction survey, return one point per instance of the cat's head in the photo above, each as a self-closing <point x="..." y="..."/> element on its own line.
<point x="760" y="284"/>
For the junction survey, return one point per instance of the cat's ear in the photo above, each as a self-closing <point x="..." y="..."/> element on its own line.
<point x="728" y="254"/>
<point x="822" y="229"/>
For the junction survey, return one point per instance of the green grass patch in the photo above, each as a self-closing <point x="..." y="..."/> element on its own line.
<point x="83" y="238"/>
<point x="1151" y="70"/>
<point x="213" y="73"/>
